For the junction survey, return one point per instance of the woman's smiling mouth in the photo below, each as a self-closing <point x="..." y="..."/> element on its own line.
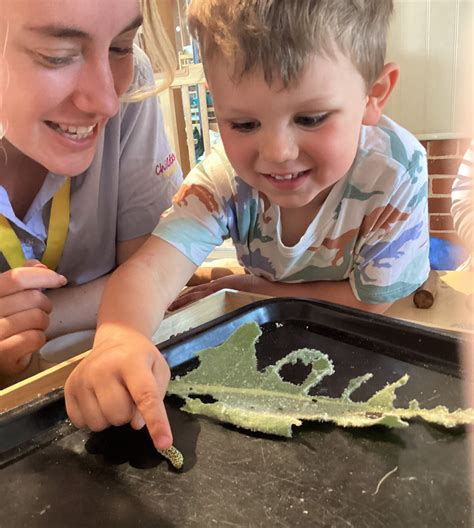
<point x="73" y="131"/>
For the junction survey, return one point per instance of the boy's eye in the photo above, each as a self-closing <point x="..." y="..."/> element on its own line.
<point x="247" y="126"/>
<point x="311" y="120"/>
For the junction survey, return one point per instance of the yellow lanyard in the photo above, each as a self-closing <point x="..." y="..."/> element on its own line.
<point x="58" y="227"/>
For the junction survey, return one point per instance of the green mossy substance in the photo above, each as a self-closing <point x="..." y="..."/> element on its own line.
<point x="264" y="402"/>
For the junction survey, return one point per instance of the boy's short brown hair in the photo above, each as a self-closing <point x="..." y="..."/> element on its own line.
<point x="280" y="35"/>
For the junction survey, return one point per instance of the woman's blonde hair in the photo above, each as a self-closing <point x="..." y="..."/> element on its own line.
<point x="158" y="47"/>
<point x="279" y="36"/>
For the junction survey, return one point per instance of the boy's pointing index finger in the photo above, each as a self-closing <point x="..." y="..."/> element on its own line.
<point x="147" y="390"/>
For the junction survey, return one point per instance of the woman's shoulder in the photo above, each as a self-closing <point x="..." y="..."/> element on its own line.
<point x="144" y="109"/>
<point x="142" y="71"/>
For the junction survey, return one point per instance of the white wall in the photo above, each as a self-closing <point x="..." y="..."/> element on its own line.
<point x="433" y="42"/>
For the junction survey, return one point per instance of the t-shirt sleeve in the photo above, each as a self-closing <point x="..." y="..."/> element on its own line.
<point x="197" y="222"/>
<point x="463" y="199"/>
<point x="149" y="171"/>
<point x="392" y="259"/>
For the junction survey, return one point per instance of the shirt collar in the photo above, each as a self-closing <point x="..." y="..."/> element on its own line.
<point x="50" y="185"/>
<point x="33" y="217"/>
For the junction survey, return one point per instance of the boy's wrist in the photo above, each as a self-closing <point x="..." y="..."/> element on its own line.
<point x="116" y="333"/>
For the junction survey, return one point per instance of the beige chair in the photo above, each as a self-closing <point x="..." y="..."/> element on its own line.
<point x="189" y="81"/>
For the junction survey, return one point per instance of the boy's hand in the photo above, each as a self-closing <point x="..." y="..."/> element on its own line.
<point x="206" y="274"/>
<point x="24" y="313"/>
<point x="243" y="282"/>
<point x="124" y="379"/>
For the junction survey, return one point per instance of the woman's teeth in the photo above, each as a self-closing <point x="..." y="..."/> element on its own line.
<point x="73" y="132"/>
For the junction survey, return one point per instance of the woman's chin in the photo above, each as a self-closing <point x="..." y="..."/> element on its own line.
<point x="70" y="167"/>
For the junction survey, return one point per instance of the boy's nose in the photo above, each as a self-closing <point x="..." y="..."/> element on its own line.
<point x="278" y="147"/>
<point x="95" y="91"/>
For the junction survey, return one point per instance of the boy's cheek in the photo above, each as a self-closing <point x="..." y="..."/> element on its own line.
<point x="237" y="148"/>
<point x="332" y="142"/>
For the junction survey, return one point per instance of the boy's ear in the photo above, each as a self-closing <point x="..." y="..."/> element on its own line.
<point x="379" y="93"/>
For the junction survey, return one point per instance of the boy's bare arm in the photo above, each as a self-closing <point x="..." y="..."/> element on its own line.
<point x="339" y="292"/>
<point x="140" y="290"/>
<point x="124" y="378"/>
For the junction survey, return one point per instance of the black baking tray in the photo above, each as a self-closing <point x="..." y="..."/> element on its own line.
<point x="325" y="476"/>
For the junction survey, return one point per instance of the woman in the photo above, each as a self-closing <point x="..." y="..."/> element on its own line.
<point x="85" y="167"/>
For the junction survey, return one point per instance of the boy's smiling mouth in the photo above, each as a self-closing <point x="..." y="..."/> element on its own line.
<point x="73" y="131"/>
<point x="286" y="176"/>
<point x="286" y="181"/>
<point x="283" y="178"/>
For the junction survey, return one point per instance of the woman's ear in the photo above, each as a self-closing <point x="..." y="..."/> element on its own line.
<point x="379" y="93"/>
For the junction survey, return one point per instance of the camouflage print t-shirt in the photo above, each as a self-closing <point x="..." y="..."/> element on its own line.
<point x="372" y="228"/>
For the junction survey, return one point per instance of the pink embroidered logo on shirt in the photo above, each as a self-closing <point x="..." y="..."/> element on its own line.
<point x="164" y="168"/>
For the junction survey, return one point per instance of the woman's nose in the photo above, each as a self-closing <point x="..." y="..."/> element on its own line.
<point x="278" y="147"/>
<point x="95" y="92"/>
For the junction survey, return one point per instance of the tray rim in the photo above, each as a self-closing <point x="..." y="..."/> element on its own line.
<point x="176" y="340"/>
<point x="24" y="413"/>
<point x="43" y="383"/>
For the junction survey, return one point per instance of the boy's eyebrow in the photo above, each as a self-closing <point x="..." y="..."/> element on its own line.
<point x="322" y="100"/>
<point x="52" y="30"/>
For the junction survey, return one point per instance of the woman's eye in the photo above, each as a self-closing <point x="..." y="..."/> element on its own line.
<point x="312" y="120"/>
<point x="121" y="51"/>
<point x="51" y="60"/>
<point x="248" y="126"/>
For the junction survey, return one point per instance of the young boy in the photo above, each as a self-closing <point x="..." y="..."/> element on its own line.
<point x="322" y="196"/>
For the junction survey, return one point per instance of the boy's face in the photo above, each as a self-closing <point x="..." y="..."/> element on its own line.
<point x="291" y="144"/>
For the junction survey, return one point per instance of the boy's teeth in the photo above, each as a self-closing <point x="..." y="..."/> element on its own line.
<point x="284" y="176"/>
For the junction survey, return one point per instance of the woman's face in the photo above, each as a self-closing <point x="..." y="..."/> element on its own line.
<point x="65" y="65"/>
